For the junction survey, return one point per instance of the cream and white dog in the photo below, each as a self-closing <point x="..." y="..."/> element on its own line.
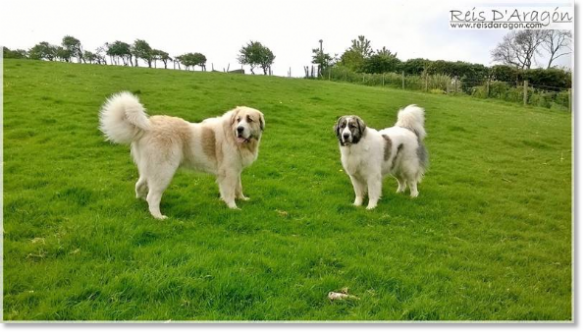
<point x="222" y="146"/>
<point x="367" y="155"/>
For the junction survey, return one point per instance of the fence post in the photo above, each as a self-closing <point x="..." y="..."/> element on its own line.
<point x="383" y="79"/>
<point x="329" y="73"/>
<point x="456" y="85"/>
<point x="426" y="82"/>
<point x="525" y="92"/>
<point x="570" y="101"/>
<point x="487" y="95"/>
<point x="363" y="77"/>
<point x="402" y="79"/>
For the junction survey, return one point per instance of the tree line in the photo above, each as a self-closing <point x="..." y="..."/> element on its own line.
<point x="516" y="55"/>
<point x="252" y="54"/>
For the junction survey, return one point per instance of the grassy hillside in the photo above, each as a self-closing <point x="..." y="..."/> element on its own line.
<point x="488" y="238"/>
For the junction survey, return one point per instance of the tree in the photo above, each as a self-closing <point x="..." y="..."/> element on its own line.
<point x="519" y="48"/>
<point x="73" y="47"/>
<point x="141" y="49"/>
<point x="43" y="50"/>
<point x="321" y="59"/>
<point x="354" y="57"/>
<point x="415" y="65"/>
<point x="255" y="54"/>
<point x="362" y="46"/>
<point x="63" y="54"/>
<point x="120" y="50"/>
<point x="381" y="62"/>
<point x="557" y="43"/>
<point x="160" y="55"/>
<point x="100" y="54"/>
<point x="89" y="56"/>
<point x="192" y="60"/>
<point x="16" y="54"/>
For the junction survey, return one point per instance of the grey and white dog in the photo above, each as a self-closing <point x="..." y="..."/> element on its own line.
<point x="367" y="155"/>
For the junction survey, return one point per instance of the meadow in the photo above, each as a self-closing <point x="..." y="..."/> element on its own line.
<point x="488" y="238"/>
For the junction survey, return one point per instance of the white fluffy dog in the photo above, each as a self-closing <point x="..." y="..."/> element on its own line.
<point x="368" y="155"/>
<point x="222" y="146"/>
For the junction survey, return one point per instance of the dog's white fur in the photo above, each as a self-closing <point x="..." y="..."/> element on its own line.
<point x="222" y="146"/>
<point x="398" y="151"/>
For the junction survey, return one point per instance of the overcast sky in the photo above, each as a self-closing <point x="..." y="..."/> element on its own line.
<point x="289" y="28"/>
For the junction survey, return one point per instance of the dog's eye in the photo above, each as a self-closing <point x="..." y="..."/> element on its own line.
<point x="239" y="119"/>
<point x="351" y="126"/>
<point x="249" y="119"/>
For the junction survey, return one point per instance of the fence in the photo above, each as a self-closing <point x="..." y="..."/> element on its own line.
<point x="525" y="93"/>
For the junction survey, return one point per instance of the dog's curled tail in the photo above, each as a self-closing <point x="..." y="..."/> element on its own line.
<point x="123" y="118"/>
<point x="413" y="118"/>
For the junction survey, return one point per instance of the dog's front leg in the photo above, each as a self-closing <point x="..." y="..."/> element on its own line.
<point x="227" y="188"/>
<point x="374" y="190"/>
<point x="240" y="190"/>
<point x="359" y="188"/>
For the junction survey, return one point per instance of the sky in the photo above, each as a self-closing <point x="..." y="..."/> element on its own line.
<point x="291" y="29"/>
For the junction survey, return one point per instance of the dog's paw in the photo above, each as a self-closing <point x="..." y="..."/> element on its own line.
<point x="371" y="206"/>
<point x="161" y="217"/>
<point x="233" y="206"/>
<point x="244" y="198"/>
<point x="414" y="195"/>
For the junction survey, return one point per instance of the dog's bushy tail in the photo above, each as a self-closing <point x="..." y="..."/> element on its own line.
<point x="413" y="118"/>
<point x="123" y="118"/>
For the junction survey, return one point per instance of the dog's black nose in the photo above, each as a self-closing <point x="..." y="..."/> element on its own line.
<point x="345" y="135"/>
<point x="240" y="129"/>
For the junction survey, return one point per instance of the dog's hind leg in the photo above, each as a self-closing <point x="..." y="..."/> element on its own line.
<point x="401" y="185"/>
<point x="141" y="187"/>
<point x="374" y="190"/>
<point x="157" y="184"/>
<point x="412" y="184"/>
<point x="359" y="188"/>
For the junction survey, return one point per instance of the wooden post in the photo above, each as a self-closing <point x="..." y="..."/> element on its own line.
<point x="363" y="77"/>
<point x="487" y="95"/>
<point x="449" y="87"/>
<point x="456" y="85"/>
<point x="402" y="79"/>
<point x="525" y="92"/>
<point x="426" y="82"/>
<point x="329" y="73"/>
<point x="570" y="100"/>
<point x="383" y="79"/>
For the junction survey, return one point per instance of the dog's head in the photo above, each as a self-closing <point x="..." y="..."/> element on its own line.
<point x="350" y="130"/>
<point x="247" y="124"/>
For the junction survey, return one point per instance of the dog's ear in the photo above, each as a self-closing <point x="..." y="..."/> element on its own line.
<point x="262" y="122"/>
<point x="337" y="125"/>
<point x="235" y="113"/>
<point x="361" y="125"/>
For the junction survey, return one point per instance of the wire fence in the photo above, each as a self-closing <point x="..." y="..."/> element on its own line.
<point x="521" y="92"/>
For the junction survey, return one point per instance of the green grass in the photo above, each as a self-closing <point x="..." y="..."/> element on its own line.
<point x="489" y="237"/>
